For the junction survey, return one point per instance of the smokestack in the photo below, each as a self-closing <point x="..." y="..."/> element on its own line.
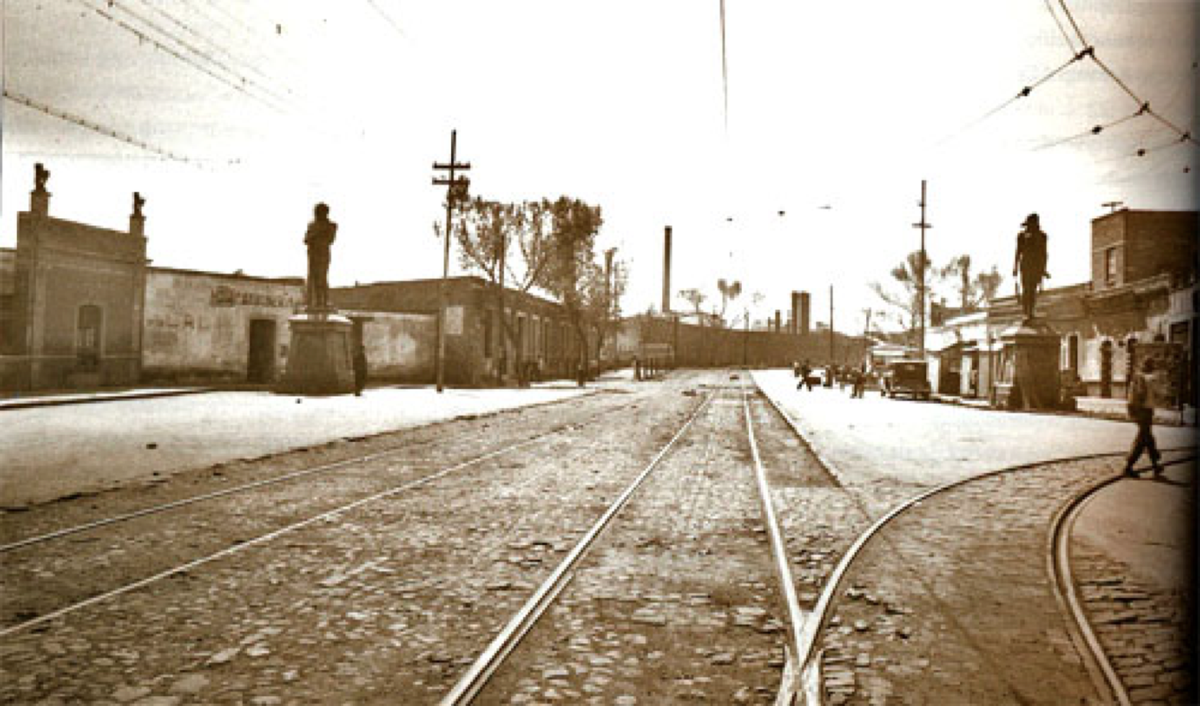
<point x="778" y="324"/>
<point x="666" y="294"/>
<point x="804" y="303"/>
<point x="794" y="323"/>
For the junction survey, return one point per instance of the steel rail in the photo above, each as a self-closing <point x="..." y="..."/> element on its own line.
<point x="796" y="617"/>
<point x="1058" y="558"/>
<point x="183" y="502"/>
<point x="262" y="539"/>
<point x="811" y="666"/>
<point x="1104" y="676"/>
<point x="807" y="659"/>
<point x="488" y="661"/>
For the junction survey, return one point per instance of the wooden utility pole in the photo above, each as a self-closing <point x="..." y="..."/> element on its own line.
<point x="921" y="275"/>
<point x="606" y="325"/>
<point x="456" y="190"/>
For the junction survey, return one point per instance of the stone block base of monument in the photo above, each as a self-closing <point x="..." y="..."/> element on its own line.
<point x="320" y="361"/>
<point x="1029" y="375"/>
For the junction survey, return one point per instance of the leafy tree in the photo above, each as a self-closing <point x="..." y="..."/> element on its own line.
<point x="572" y="274"/>
<point x="486" y="233"/>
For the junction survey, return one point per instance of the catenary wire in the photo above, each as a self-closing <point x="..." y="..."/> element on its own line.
<point x="104" y="130"/>
<point x="211" y="43"/>
<point x="145" y="37"/>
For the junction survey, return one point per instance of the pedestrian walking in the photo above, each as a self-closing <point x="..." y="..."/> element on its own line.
<point x="804" y="379"/>
<point x="860" y="381"/>
<point x="1141" y="411"/>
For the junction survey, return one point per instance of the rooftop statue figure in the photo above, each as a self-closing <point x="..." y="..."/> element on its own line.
<point x="40" y="176"/>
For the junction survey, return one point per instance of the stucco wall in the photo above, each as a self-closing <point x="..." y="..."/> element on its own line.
<point x="399" y="347"/>
<point x="60" y="267"/>
<point x="197" y="325"/>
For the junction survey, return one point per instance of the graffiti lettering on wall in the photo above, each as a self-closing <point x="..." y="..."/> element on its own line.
<point x="173" y="321"/>
<point x="223" y="295"/>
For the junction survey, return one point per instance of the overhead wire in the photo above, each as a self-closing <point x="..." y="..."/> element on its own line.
<point x="1097" y="129"/>
<point x="198" y="53"/>
<point x="109" y="132"/>
<point x="387" y="18"/>
<point x="213" y="44"/>
<point x="1023" y="93"/>
<point x="1062" y="30"/>
<point x="724" y="69"/>
<point x="1184" y="136"/>
<point x="145" y="37"/>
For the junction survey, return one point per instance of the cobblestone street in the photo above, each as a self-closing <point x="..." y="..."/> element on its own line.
<point x="376" y="569"/>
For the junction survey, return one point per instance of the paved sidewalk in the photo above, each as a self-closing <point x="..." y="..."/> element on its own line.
<point x="55" y="451"/>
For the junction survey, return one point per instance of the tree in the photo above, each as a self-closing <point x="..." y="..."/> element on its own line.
<point x="694" y="297"/>
<point x="486" y="232"/>
<point x="572" y="274"/>
<point x="972" y="291"/>
<point x="729" y="292"/>
<point x="906" y="301"/>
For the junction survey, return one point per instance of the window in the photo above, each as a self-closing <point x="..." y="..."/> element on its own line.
<point x="87" y="337"/>
<point x="1110" y="266"/>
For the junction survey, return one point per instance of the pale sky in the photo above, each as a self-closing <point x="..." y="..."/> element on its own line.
<point x="618" y="103"/>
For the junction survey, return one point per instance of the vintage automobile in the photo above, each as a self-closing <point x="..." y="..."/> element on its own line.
<point x="906" y="377"/>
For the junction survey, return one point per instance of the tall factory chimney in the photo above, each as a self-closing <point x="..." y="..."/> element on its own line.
<point x="794" y="322"/>
<point x="804" y="303"/>
<point x="666" y="293"/>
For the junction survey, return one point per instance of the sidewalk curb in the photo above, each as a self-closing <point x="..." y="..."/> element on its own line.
<point x="18" y="403"/>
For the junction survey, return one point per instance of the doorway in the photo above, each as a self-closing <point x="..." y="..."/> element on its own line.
<point x="260" y="367"/>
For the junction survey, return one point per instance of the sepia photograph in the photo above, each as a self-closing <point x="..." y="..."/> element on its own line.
<point x="557" y="352"/>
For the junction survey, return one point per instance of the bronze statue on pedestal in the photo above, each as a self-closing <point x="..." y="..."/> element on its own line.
<point x="1030" y="262"/>
<point x="319" y="239"/>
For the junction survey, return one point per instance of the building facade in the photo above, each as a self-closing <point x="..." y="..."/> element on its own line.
<point x="1143" y="290"/>
<point x="72" y="302"/>
<point x="535" y="339"/>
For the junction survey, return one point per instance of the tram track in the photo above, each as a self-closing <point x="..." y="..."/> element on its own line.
<point x="102" y="554"/>
<point x="1107" y="678"/>
<point x="415" y="575"/>
<point x="835" y="590"/>
<point x="810" y="687"/>
<point x="391" y="595"/>
<point x="576" y="672"/>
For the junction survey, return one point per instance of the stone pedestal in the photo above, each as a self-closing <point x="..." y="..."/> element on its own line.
<point x="320" y="360"/>
<point x="1028" y="376"/>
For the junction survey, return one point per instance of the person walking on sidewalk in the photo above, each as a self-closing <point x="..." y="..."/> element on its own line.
<point x="1141" y="411"/>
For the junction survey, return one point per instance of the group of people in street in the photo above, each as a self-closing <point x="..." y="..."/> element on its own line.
<point x="856" y="377"/>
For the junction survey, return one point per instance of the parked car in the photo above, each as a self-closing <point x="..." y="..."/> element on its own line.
<point x="906" y="377"/>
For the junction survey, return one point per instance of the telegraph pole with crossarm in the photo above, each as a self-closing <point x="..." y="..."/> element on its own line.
<point x="456" y="190"/>
<point x="921" y="272"/>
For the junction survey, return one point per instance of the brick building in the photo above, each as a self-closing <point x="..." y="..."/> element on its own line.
<point x="1142" y="290"/>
